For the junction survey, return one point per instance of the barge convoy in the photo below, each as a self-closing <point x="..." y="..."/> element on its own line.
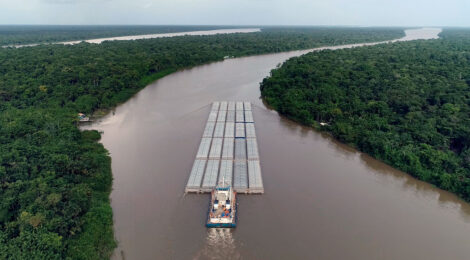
<point x="227" y="161"/>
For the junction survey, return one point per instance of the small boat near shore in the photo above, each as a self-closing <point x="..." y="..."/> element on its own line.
<point x="222" y="208"/>
<point x="83" y="118"/>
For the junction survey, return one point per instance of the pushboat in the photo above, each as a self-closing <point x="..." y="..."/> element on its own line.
<point x="222" y="208"/>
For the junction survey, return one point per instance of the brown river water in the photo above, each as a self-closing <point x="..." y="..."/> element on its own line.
<point x="323" y="199"/>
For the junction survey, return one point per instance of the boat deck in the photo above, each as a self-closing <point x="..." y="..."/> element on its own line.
<point x="228" y="151"/>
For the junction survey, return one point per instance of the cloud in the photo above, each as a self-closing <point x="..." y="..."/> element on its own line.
<point x="62" y="1"/>
<point x="243" y="12"/>
<point x="147" y="5"/>
<point x="73" y="1"/>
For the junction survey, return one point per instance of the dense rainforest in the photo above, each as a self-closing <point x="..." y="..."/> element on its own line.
<point x="407" y="104"/>
<point x="55" y="179"/>
<point x="34" y="34"/>
<point x="30" y="34"/>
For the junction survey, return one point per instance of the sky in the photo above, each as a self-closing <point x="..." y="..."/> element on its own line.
<point x="238" y="12"/>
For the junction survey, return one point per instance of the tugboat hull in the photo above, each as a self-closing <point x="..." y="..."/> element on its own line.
<point x="221" y="225"/>
<point x="222" y="209"/>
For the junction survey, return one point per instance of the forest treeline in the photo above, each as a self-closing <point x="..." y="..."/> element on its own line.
<point x="29" y="34"/>
<point x="407" y="104"/>
<point x="55" y="180"/>
<point x="33" y="34"/>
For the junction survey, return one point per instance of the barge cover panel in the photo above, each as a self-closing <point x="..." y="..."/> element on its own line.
<point x="228" y="151"/>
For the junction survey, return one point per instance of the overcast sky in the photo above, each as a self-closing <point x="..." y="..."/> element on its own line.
<point x="238" y="12"/>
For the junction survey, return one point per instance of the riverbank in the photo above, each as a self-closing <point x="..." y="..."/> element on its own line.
<point x="369" y="110"/>
<point x="125" y="95"/>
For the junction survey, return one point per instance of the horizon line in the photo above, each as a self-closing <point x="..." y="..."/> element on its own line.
<point x="252" y="25"/>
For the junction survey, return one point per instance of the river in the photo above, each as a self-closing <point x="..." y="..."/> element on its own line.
<point x="323" y="199"/>
<point x="146" y="36"/>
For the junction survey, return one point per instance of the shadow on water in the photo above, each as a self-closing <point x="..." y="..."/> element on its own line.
<point x="420" y="188"/>
<point x="341" y="149"/>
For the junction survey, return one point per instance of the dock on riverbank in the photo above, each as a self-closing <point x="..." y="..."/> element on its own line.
<point x="228" y="151"/>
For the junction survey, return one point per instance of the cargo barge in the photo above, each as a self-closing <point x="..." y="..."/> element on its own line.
<point x="227" y="161"/>
<point x="228" y="150"/>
